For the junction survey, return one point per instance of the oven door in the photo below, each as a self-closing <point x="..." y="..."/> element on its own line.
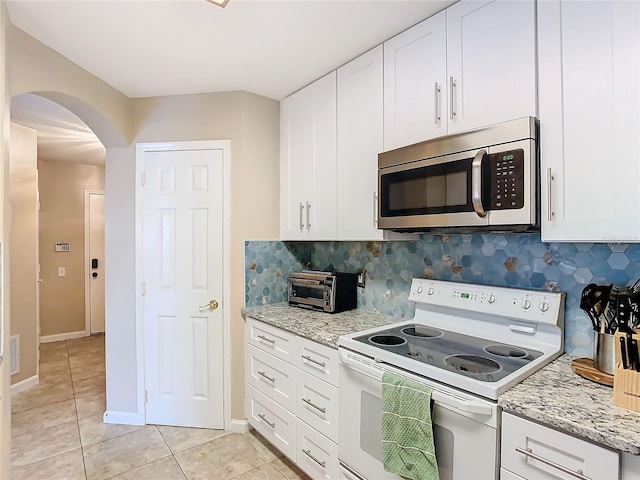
<point x="464" y="427"/>
<point x="313" y="293"/>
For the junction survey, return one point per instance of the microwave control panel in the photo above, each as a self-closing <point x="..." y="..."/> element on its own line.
<point x="507" y="180"/>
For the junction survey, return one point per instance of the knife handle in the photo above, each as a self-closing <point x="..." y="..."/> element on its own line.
<point x="623" y="353"/>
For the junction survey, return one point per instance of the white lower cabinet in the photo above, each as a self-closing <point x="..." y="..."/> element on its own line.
<point x="292" y="397"/>
<point x="534" y="452"/>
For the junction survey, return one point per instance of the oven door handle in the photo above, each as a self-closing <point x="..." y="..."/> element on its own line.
<point x="360" y="366"/>
<point x="467" y="406"/>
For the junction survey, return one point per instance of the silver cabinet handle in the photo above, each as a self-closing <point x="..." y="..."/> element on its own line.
<point x="529" y="453"/>
<point x="309" y="402"/>
<point x="264" y="375"/>
<point x="452" y="96"/>
<point x="375" y="209"/>
<point x="266" y="339"/>
<point x="550" y="179"/>
<point x="308" y="454"/>
<point x="308" y="217"/>
<point x="476" y="183"/>
<point x="264" y="419"/>
<point x="308" y="358"/>
<point x="436" y="100"/>
<point x="301" y="212"/>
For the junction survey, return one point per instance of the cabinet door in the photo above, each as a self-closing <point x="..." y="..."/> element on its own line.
<point x="491" y="62"/>
<point x="589" y="64"/>
<point x="308" y="162"/>
<point x="414" y="84"/>
<point x="359" y="142"/>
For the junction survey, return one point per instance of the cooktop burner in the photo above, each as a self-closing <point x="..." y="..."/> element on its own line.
<point x="473" y="357"/>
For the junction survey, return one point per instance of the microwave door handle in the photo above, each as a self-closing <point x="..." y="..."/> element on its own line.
<point x="476" y="183"/>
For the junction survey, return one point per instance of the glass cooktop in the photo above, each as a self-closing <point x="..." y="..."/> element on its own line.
<point x="472" y="357"/>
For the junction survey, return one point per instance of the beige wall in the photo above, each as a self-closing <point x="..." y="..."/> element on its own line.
<point x="251" y="123"/>
<point x="5" y="396"/>
<point x="62" y="187"/>
<point x="23" y="246"/>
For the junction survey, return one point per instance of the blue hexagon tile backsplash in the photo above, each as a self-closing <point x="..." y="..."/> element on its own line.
<point x="511" y="260"/>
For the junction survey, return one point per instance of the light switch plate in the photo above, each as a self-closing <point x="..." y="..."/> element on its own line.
<point x="360" y="282"/>
<point x="61" y="271"/>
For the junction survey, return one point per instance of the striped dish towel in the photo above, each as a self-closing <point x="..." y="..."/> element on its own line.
<point x="407" y="433"/>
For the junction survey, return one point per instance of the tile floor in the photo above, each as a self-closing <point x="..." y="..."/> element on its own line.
<point x="57" y="432"/>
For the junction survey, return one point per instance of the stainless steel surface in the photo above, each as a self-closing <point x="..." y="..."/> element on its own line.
<point x="309" y="359"/>
<point x="476" y="183"/>
<point x="310" y="403"/>
<point x="308" y="454"/>
<point x="520" y="129"/>
<point x="308" y="217"/>
<point x="264" y="375"/>
<point x="604" y="356"/>
<point x="549" y="206"/>
<point x="452" y="103"/>
<point x="529" y="453"/>
<point x="301" y="220"/>
<point x="266" y="339"/>
<point x="436" y="101"/>
<point x="264" y="419"/>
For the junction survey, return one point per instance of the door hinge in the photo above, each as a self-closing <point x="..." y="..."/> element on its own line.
<point x="143" y="179"/>
<point x="38" y="207"/>
<point x="146" y="396"/>
<point x="143" y="288"/>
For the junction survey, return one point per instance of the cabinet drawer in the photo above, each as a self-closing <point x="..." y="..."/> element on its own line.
<point x="318" y="360"/>
<point x="536" y="452"/>
<point x="271" y="339"/>
<point x="272" y="376"/>
<point x="316" y="455"/>
<point x="317" y="404"/>
<point x="272" y="421"/>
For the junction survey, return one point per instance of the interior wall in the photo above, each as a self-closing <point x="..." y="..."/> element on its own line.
<point x="23" y="246"/>
<point x="5" y="396"/>
<point x="62" y="187"/>
<point x="251" y="122"/>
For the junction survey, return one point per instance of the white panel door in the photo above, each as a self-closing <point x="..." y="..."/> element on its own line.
<point x="360" y="111"/>
<point x="183" y="212"/>
<point x="491" y="62"/>
<point x="415" y="89"/>
<point x="96" y="268"/>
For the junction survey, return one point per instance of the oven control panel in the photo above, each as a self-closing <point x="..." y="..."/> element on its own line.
<point x="538" y="306"/>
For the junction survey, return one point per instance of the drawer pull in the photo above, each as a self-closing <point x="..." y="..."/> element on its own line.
<point x="266" y="339"/>
<point x="308" y="358"/>
<point x="264" y="419"/>
<point x="309" y="402"/>
<point x="308" y="454"/>
<point x="529" y="453"/>
<point x="264" y="375"/>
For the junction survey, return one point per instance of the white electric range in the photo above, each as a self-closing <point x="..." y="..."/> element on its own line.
<point x="469" y="343"/>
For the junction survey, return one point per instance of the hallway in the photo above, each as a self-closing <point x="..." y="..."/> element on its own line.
<point x="57" y="432"/>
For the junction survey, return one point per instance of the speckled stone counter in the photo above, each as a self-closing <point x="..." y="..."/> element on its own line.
<point x="324" y="328"/>
<point x="558" y="397"/>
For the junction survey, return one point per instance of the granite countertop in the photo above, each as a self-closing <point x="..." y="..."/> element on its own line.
<point x="559" y="397"/>
<point x="324" y="328"/>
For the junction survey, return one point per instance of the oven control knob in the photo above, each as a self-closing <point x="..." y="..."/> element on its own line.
<point x="430" y="291"/>
<point x="419" y="290"/>
<point x="544" y="306"/>
<point x="492" y="298"/>
<point x="526" y="304"/>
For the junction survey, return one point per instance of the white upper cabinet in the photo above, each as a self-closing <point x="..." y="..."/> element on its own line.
<point x="589" y="77"/>
<point x="359" y="142"/>
<point x="308" y="162"/>
<point x="415" y="89"/>
<point x="470" y="66"/>
<point x="491" y="62"/>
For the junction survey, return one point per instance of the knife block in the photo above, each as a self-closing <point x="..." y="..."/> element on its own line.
<point x="626" y="382"/>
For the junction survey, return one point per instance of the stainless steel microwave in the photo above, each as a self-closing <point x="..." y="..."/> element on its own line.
<point x="485" y="179"/>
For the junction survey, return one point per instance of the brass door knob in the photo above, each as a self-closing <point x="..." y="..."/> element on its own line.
<point x="213" y="304"/>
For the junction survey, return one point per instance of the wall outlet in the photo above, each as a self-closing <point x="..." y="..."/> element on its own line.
<point x="361" y="279"/>
<point x="61" y="271"/>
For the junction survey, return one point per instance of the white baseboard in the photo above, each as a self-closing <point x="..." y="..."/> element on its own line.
<point x="123" y="418"/>
<point x="24" y="384"/>
<point x="63" y="336"/>
<point x="238" y="426"/>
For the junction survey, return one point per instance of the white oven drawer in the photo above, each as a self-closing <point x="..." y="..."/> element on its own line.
<point x="533" y="451"/>
<point x="271" y="339"/>
<point x="272" y="421"/>
<point x="272" y="376"/>
<point x="318" y="360"/>
<point x="316" y="455"/>
<point x="317" y="404"/>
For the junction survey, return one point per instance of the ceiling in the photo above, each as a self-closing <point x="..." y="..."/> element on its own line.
<point x="272" y="48"/>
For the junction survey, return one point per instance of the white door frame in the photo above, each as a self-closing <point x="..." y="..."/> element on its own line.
<point x="225" y="146"/>
<point x="87" y="261"/>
